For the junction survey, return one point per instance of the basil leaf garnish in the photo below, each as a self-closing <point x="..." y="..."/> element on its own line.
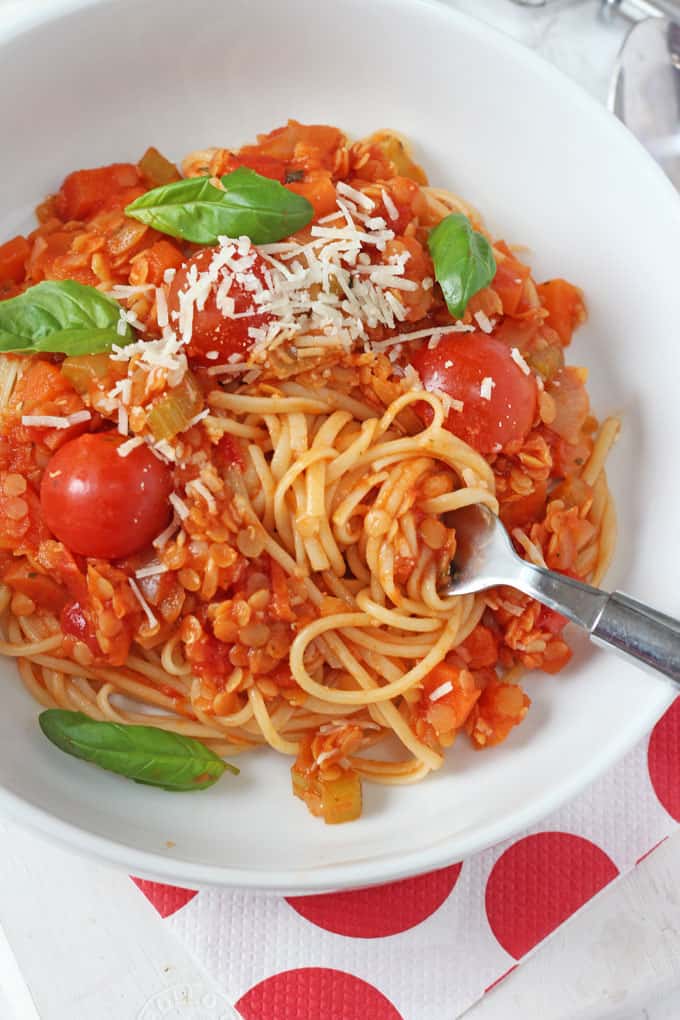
<point x="143" y="753"/>
<point x="463" y="261"/>
<point x="251" y="205"/>
<point x="61" y="317"/>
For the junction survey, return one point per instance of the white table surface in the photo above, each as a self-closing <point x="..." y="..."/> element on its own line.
<point x="79" y="942"/>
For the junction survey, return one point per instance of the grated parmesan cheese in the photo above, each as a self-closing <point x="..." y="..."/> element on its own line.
<point x="486" y="387"/>
<point x="363" y="201"/>
<point x="123" y="421"/>
<point x="161" y="308"/>
<point x="179" y="506"/>
<point x="51" y="421"/>
<point x="483" y="321"/>
<point x="151" y="570"/>
<point x="441" y="691"/>
<point x="201" y="489"/>
<point x="519" y="360"/>
<point x="165" y="535"/>
<point x="125" y="448"/>
<point x="196" y="418"/>
<point x="153" y="622"/>
<point x="390" y="207"/>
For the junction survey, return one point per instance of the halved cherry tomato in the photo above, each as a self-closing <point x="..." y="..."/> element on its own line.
<point x="212" y="331"/>
<point x="458" y="366"/>
<point x="76" y="622"/>
<point x="100" y="504"/>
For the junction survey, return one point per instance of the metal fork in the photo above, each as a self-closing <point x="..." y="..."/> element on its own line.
<point x="485" y="558"/>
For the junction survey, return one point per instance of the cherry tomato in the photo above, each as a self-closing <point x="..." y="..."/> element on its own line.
<point x="457" y="366"/>
<point x="77" y="623"/>
<point x="212" y="331"/>
<point x="100" y="504"/>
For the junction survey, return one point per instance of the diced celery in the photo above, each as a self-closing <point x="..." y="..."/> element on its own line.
<point x="86" y="371"/>
<point x="334" y="800"/>
<point x="157" y="169"/>
<point x="172" y="412"/>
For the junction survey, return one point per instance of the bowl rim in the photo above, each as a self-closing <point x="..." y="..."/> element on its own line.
<point x="387" y="867"/>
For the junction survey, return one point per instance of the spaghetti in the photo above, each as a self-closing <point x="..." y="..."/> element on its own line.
<point x="327" y="413"/>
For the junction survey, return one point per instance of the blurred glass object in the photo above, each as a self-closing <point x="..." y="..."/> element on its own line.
<point x="645" y="92"/>
<point x="636" y="10"/>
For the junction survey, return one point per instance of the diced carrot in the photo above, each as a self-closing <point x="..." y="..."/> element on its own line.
<point x="85" y="192"/>
<point x="281" y="143"/>
<point x="480" y="648"/>
<point x="267" y="166"/>
<point x="556" y="656"/>
<point x="457" y="702"/>
<point x="119" y="199"/>
<point x="161" y="256"/>
<point x="318" y="188"/>
<point x="41" y="384"/>
<point x="500" y="708"/>
<point x="565" y="306"/>
<point x="46" y="249"/>
<point x="43" y="590"/>
<point x="13" y="257"/>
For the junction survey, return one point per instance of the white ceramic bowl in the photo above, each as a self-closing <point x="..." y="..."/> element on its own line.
<point x="549" y="169"/>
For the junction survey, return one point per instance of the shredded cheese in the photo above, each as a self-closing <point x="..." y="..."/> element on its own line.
<point x="51" y="421"/>
<point x="179" y="506"/>
<point x="441" y="691"/>
<point x="519" y="360"/>
<point x="125" y="448"/>
<point x="483" y="321"/>
<point x="167" y="533"/>
<point x="486" y="387"/>
<point x="198" y="487"/>
<point x="390" y="207"/>
<point x="196" y="418"/>
<point x="151" y="570"/>
<point x="153" y="622"/>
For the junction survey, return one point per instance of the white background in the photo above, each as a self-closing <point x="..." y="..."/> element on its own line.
<point x="79" y="942"/>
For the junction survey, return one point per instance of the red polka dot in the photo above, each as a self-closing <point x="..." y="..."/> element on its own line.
<point x="538" y="883"/>
<point x="663" y="758"/>
<point x="167" y="899"/>
<point x="315" y="993"/>
<point x="382" y="910"/>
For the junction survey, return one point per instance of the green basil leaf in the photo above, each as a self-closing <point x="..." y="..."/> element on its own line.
<point x="463" y="261"/>
<point x="143" y="753"/>
<point x="251" y="205"/>
<point x="61" y="317"/>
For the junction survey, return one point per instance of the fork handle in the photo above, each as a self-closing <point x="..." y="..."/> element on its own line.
<point x="641" y="633"/>
<point x="613" y="620"/>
